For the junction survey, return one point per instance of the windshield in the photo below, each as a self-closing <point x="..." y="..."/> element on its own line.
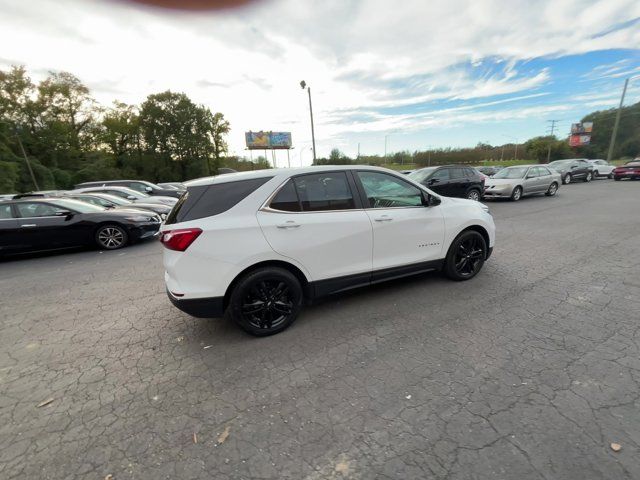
<point x="561" y="163"/>
<point x="125" y="193"/>
<point x="511" y="172"/>
<point x="77" y="206"/>
<point x="422" y="174"/>
<point x="115" y="199"/>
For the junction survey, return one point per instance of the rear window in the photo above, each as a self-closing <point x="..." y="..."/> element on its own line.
<point x="208" y="200"/>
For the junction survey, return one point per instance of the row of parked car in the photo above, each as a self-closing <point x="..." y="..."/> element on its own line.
<point x="109" y="215"/>
<point x="518" y="181"/>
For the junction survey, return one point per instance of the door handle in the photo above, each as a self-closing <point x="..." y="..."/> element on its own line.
<point x="384" y="218"/>
<point x="28" y="225"/>
<point x="289" y="224"/>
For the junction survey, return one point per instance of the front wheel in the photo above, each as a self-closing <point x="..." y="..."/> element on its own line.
<point x="567" y="179"/>
<point x="588" y="177"/>
<point x="473" y="194"/>
<point x="553" y="189"/>
<point x="466" y="256"/>
<point x="516" y="194"/>
<point x="266" y="301"/>
<point x="111" y="237"/>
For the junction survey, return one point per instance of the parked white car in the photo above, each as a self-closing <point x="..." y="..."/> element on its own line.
<point x="259" y="244"/>
<point x="601" y="168"/>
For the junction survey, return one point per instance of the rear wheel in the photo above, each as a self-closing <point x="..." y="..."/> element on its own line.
<point x="111" y="237"/>
<point x="466" y="256"/>
<point x="516" y="194"/>
<point x="473" y="194"/>
<point x="588" y="177"/>
<point x="266" y="301"/>
<point x="553" y="189"/>
<point x="567" y="179"/>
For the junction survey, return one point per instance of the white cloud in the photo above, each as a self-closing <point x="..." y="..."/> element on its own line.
<point x="354" y="54"/>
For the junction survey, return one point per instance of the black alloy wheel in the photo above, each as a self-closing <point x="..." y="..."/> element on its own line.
<point x="466" y="256"/>
<point x="111" y="237"/>
<point x="266" y="301"/>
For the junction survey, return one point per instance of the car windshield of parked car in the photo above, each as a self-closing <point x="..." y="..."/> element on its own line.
<point x="514" y="172"/>
<point x="115" y="199"/>
<point x="124" y="193"/>
<point x="422" y="174"/>
<point x="561" y="163"/>
<point x="77" y="205"/>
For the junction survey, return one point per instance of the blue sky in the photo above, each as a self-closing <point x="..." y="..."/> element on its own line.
<point x="423" y="74"/>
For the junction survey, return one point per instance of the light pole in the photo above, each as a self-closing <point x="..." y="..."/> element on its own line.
<point x="617" y="122"/>
<point x="300" y="154"/>
<point x="304" y="85"/>
<point x="385" y="147"/>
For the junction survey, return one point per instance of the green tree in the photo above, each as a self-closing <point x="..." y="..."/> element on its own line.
<point x="538" y="148"/>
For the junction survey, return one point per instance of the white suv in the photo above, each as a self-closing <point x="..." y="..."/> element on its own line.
<point x="258" y="244"/>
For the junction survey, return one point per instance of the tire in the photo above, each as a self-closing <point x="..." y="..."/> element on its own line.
<point x="589" y="177"/>
<point x="553" y="189"/>
<point x="466" y="256"/>
<point x="266" y="301"/>
<point x="567" y="179"/>
<point x="473" y="194"/>
<point x="595" y="174"/>
<point x="610" y="176"/>
<point x="111" y="237"/>
<point x="516" y="194"/>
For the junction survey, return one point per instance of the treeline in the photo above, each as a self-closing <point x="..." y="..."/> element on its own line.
<point x="69" y="138"/>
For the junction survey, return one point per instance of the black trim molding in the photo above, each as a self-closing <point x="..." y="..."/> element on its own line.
<point x="210" y="307"/>
<point x="322" y="288"/>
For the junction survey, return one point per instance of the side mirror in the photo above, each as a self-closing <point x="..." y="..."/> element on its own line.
<point x="430" y="200"/>
<point x="148" y="189"/>
<point x="432" y="181"/>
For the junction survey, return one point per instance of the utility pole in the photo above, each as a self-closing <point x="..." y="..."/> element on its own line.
<point x="552" y="129"/>
<point x="303" y="84"/>
<point x="617" y="122"/>
<point x="358" y="151"/>
<point x="26" y="159"/>
<point x="385" y="149"/>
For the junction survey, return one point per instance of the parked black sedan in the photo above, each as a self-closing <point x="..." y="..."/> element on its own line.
<point x="451" y="181"/>
<point x="111" y="201"/>
<point x="36" y="224"/>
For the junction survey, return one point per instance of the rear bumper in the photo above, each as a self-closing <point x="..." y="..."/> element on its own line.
<point x="210" y="307"/>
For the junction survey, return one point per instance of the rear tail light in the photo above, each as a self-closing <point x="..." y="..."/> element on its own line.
<point x="179" y="239"/>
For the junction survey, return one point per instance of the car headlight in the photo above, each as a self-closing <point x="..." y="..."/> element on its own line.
<point x="139" y="218"/>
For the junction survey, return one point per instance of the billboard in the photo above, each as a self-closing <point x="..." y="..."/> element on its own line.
<point x="267" y="140"/>
<point x="581" y="128"/>
<point x="579" y="140"/>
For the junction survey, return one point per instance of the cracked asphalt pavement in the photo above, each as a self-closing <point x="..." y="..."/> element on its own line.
<point x="529" y="371"/>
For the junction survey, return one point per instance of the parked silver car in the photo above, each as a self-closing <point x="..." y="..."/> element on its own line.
<point x="516" y="182"/>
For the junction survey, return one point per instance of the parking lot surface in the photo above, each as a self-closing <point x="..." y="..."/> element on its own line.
<point x="529" y="371"/>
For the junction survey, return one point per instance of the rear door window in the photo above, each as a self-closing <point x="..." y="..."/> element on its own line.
<point x="286" y="199"/>
<point x="324" y="191"/>
<point x="208" y="200"/>
<point x="5" y="212"/>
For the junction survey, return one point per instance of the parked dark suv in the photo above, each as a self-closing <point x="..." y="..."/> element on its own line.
<point x="451" y="181"/>
<point x="141" y="186"/>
